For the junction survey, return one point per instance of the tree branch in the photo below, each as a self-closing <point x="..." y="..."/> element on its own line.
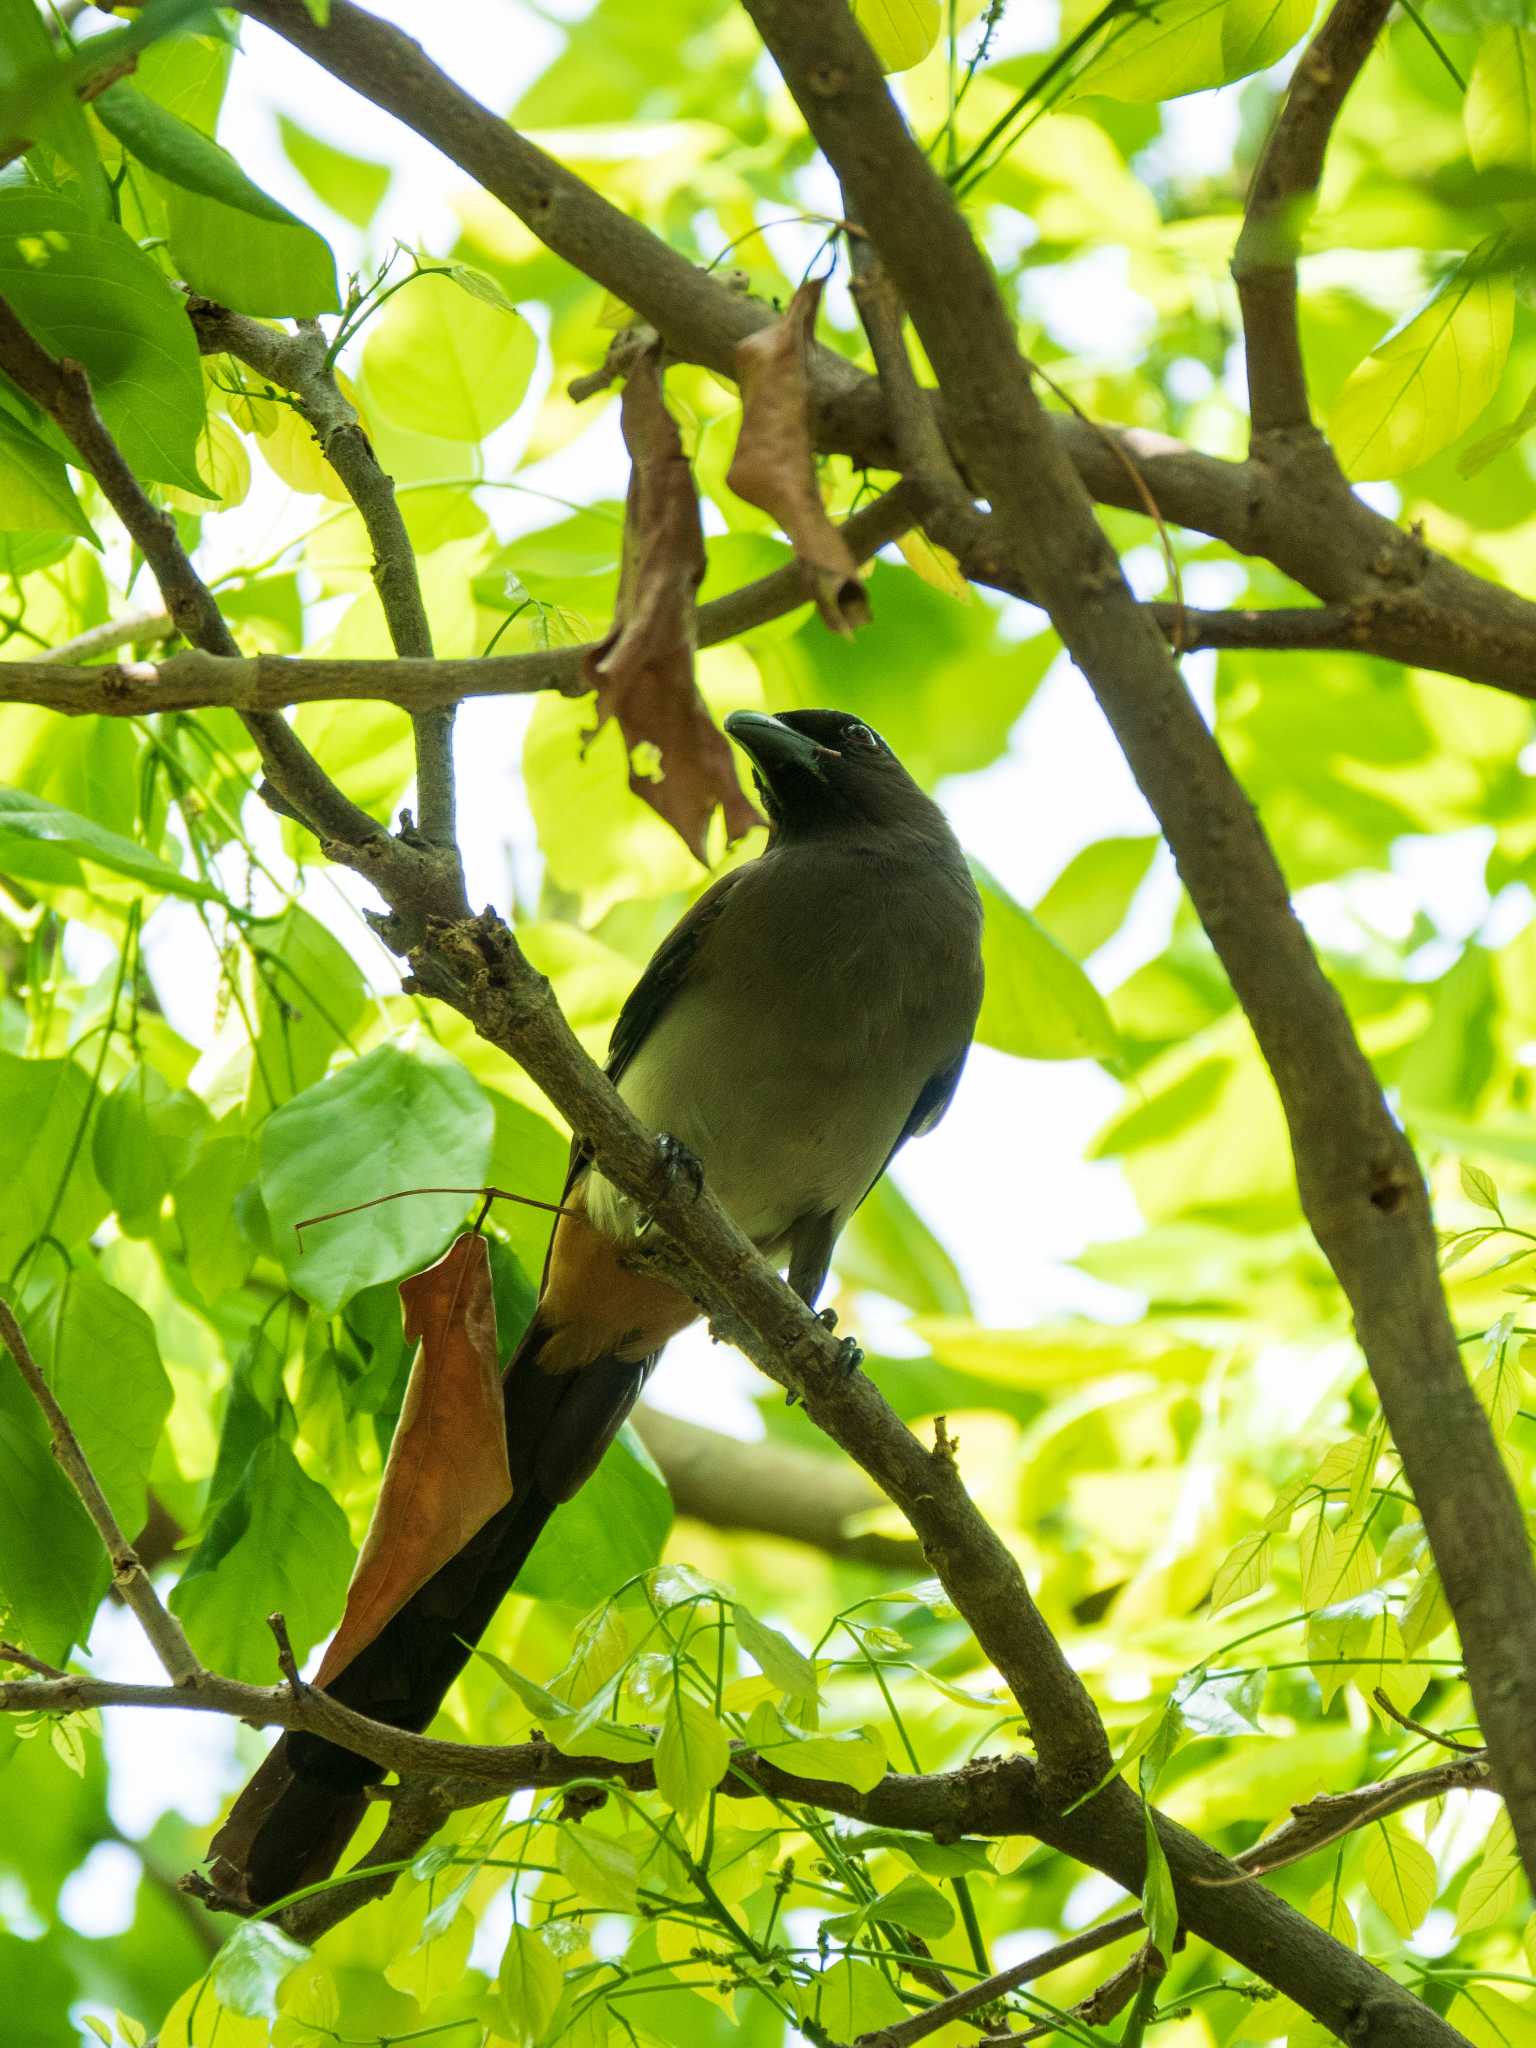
<point x="262" y="682"/>
<point x="153" y="623"/>
<point x="770" y="1488"/>
<point x="1359" y="1182"/>
<point x="162" y="1628"/>
<point x="300" y="363"/>
<point x="1293" y="508"/>
<point x="992" y="1797"/>
<point x="1279" y="201"/>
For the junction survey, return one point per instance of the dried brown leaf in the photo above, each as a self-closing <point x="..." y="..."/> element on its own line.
<point x="773" y="467"/>
<point x="643" y="670"/>
<point x="447" y="1469"/>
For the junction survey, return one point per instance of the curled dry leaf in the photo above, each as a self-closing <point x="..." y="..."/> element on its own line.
<point x="643" y="670"/>
<point x="447" y="1469"/>
<point x="773" y="467"/>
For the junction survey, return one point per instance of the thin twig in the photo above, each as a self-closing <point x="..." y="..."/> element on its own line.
<point x="164" y="1631"/>
<point x="989" y="1989"/>
<point x="287" y="1663"/>
<point x="13" y="1653"/>
<point x="1419" y="1728"/>
<point x="153" y="623"/>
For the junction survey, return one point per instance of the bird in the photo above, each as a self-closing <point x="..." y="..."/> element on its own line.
<point x="810" y="1013"/>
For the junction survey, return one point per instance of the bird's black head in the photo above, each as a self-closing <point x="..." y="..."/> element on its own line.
<point x="822" y="772"/>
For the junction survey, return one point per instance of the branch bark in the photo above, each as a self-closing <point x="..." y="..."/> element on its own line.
<point x="771" y="1489"/>
<point x="1279" y="201"/>
<point x="1359" y="1181"/>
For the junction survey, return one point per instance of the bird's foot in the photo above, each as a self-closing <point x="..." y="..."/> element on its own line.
<point x="677" y="1164"/>
<point x="850" y="1354"/>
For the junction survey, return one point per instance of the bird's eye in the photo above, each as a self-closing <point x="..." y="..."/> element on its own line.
<point x="860" y="736"/>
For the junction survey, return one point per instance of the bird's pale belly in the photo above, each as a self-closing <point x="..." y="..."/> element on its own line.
<point x="782" y="1130"/>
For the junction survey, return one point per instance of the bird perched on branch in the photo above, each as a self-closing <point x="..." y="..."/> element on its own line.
<point x="808" y="1015"/>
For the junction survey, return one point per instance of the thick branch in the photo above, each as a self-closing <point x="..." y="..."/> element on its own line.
<point x="162" y="1628"/>
<point x="63" y="391"/>
<point x="300" y="363"/>
<point x="1279" y="201"/>
<point x="770" y="1488"/>
<point x="1359" y="1182"/>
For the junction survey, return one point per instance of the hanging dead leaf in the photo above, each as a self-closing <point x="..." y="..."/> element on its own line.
<point x="773" y="467"/>
<point x="447" y="1469"/>
<point x="643" y="670"/>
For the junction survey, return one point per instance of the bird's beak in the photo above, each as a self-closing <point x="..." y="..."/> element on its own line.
<point x="774" y="746"/>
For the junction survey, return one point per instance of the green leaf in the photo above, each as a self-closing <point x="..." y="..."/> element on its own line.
<point x="1180" y="46"/>
<point x="1039" y="1004"/>
<point x="216" y="1249"/>
<point x="1090" y="899"/>
<point x="482" y="359"/>
<point x="934" y="1859"/>
<point x="855" y="1757"/>
<point x="776" y="1656"/>
<point x="528" y="1987"/>
<point x="35" y="492"/>
<point x="1400" y="1875"/>
<point x="185" y="156"/>
<point x="278" y="1542"/>
<point x="1494" y="1886"/>
<point x="1158" y="1904"/>
<point x="256" y="265"/>
<point x="86" y="290"/>
<point x="1500" y="110"/>
<point x="1479" y="1187"/>
<point x="386" y="1123"/>
<point x="310" y="1001"/>
<point x="1242" y="1571"/>
<point x="45" y="1162"/>
<point x="692" y="1754"/>
<point x="147" y="1135"/>
<point x="38" y="102"/>
<point x="349" y="185"/>
<point x="601" y="1871"/>
<point x="99" y="1351"/>
<point x="852" y="1998"/>
<point x="900" y="32"/>
<point x="39" y="842"/>
<point x="918" y="1906"/>
<point x="1423" y="386"/>
<point x="888" y="1247"/>
<point x="1489" y="2019"/>
<point x="611" y="1531"/>
<point x="53" y="1569"/>
<point x="249" y="1970"/>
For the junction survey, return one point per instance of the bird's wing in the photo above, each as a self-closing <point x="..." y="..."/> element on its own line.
<point x="665" y="974"/>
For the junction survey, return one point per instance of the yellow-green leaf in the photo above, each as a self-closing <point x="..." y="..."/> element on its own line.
<point x="1179" y="46"/>
<point x="1501" y="101"/>
<point x="1400" y="1875"/>
<point x="440" y="359"/>
<point x="596" y="1867"/>
<point x="1490" y="2020"/>
<point x="900" y="32"/>
<point x="1242" y="1571"/>
<point x="528" y="1987"/>
<point x="1489" y="1893"/>
<point x="1423" y="386"/>
<point x="692" y="1754"/>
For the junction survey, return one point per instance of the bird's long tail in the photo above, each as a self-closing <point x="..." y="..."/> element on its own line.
<point x="292" y="1822"/>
